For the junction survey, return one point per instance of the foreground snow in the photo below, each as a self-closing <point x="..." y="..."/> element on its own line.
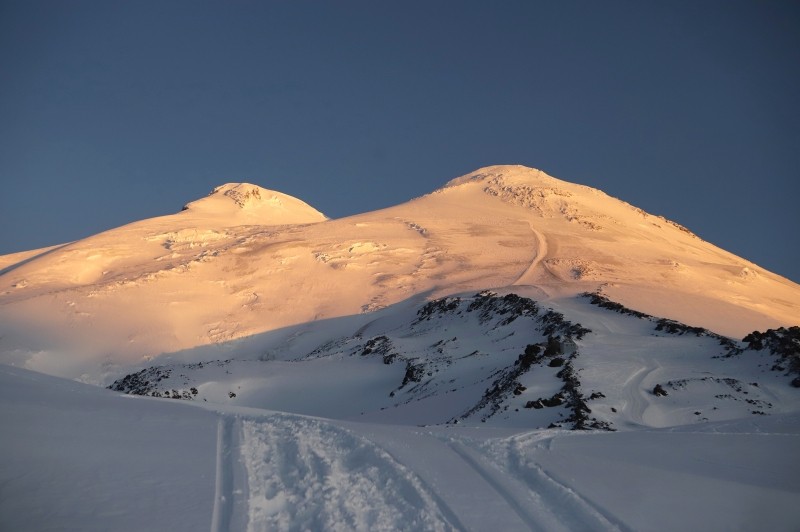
<point x="75" y="457"/>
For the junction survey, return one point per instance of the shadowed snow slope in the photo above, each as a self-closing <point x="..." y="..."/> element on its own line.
<point x="245" y="260"/>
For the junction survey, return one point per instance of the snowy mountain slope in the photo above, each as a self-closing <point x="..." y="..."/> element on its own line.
<point x="502" y="360"/>
<point x="83" y="458"/>
<point x="246" y="261"/>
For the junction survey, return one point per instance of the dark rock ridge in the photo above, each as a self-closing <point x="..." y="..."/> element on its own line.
<point x="505" y="357"/>
<point x="784" y="344"/>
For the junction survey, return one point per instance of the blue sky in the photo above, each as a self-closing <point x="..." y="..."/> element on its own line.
<point x="116" y="111"/>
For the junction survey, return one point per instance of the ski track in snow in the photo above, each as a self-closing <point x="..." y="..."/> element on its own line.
<point x="503" y="488"/>
<point x="570" y="510"/>
<point x="223" y="489"/>
<point x="230" y="492"/>
<point x="540" y="501"/>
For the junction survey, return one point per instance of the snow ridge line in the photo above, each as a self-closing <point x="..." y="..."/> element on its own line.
<point x="223" y="487"/>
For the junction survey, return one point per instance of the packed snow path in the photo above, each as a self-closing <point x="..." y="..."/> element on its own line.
<point x="307" y="474"/>
<point x="531" y="273"/>
<point x="304" y="473"/>
<point x="314" y="474"/>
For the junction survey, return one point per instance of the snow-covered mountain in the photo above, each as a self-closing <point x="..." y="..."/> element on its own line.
<point x="419" y="367"/>
<point x="245" y="261"/>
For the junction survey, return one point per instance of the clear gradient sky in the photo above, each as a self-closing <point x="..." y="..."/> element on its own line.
<point x="116" y="111"/>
